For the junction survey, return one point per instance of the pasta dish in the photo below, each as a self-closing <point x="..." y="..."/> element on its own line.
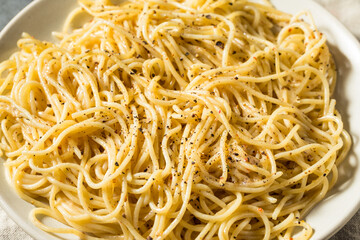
<point x="173" y="119"/>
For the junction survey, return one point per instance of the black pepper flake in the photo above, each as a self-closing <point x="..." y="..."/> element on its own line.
<point x="196" y="221"/>
<point x="208" y="16"/>
<point x="49" y="105"/>
<point x="91" y="198"/>
<point x="116" y="164"/>
<point x="220" y="44"/>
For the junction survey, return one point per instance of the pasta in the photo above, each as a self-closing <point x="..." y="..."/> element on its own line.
<point x="164" y="119"/>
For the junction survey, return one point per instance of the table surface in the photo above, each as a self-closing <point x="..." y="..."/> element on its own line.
<point x="9" y="230"/>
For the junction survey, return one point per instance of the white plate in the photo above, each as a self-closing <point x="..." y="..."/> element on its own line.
<point x="42" y="17"/>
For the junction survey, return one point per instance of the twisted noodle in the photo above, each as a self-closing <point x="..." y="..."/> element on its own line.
<point x="165" y="119"/>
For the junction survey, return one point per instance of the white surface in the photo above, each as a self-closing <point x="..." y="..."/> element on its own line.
<point x="342" y="202"/>
<point x="347" y="11"/>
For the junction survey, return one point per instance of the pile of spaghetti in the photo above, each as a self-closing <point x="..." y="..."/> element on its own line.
<point x="164" y="119"/>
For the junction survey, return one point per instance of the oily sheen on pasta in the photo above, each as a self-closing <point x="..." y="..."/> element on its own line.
<point x="164" y="119"/>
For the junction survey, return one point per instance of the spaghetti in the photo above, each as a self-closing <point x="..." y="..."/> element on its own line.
<point x="163" y="119"/>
